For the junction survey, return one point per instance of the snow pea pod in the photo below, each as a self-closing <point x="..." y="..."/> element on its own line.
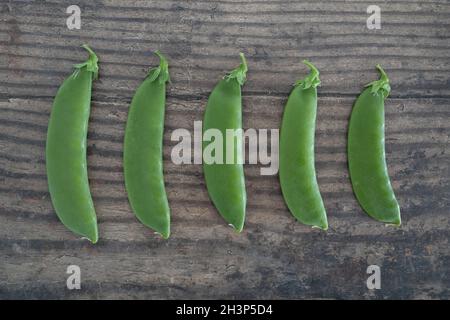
<point x="66" y="151"/>
<point x="297" y="170"/>
<point x="225" y="181"/>
<point x="366" y="153"/>
<point x="143" y="151"/>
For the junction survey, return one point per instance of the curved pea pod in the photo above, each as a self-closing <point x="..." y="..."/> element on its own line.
<point x="143" y="151"/>
<point x="366" y="153"/>
<point x="297" y="170"/>
<point x="66" y="151"/>
<point x="225" y="181"/>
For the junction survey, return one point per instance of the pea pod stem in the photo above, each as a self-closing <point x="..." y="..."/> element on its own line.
<point x="382" y="85"/>
<point x="312" y="79"/>
<point x="240" y="73"/>
<point x="161" y="72"/>
<point x="91" y="63"/>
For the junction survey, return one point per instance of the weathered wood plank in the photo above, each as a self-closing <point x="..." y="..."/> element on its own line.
<point x="274" y="257"/>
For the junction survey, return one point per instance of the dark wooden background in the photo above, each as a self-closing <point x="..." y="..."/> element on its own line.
<point x="274" y="257"/>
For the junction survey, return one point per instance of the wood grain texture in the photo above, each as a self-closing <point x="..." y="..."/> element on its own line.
<point x="274" y="257"/>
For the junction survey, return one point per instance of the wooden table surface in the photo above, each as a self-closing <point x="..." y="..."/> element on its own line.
<point x="275" y="257"/>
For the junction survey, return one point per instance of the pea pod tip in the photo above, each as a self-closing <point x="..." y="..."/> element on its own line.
<point x="165" y="234"/>
<point x="93" y="239"/>
<point x="321" y="227"/>
<point x="396" y="223"/>
<point x="237" y="228"/>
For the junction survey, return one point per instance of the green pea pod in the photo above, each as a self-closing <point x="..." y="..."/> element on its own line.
<point x="225" y="181"/>
<point x="366" y="153"/>
<point x="66" y="151"/>
<point x="143" y="151"/>
<point x="297" y="170"/>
